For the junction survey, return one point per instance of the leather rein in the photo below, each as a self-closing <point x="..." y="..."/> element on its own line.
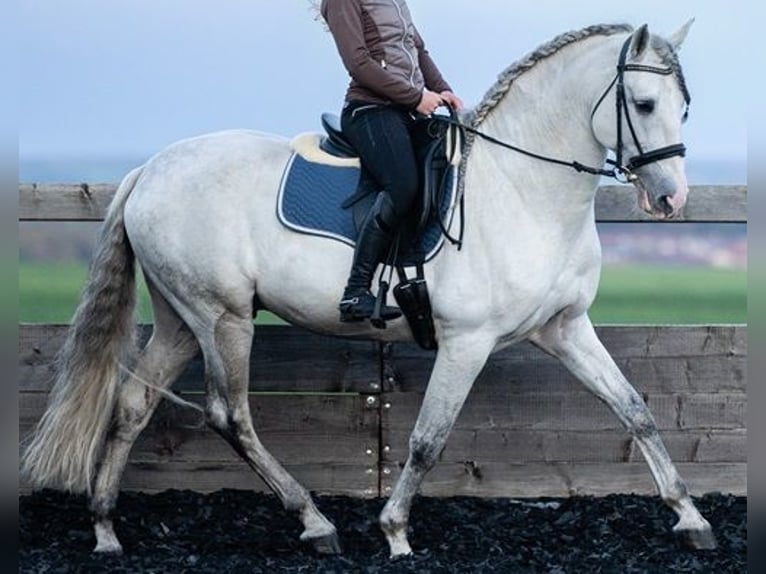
<point x="619" y="171"/>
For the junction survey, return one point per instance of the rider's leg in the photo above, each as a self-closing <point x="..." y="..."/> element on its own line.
<point x="358" y="303"/>
<point x="381" y="135"/>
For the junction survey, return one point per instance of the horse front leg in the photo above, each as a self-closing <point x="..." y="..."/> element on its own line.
<point x="457" y="365"/>
<point x="574" y="342"/>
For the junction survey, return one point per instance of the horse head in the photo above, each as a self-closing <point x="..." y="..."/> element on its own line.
<point x="639" y="117"/>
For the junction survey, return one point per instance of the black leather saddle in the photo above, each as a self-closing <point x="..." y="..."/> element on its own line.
<point x="335" y="143"/>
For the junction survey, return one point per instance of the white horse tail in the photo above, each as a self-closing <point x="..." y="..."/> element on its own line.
<point x="66" y="445"/>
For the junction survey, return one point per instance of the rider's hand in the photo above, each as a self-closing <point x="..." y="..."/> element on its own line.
<point x="429" y="102"/>
<point x="451" y="99"/>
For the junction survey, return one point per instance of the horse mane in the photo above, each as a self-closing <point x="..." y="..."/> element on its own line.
<point x="506" y="78"/>
<point x="669" y="57"/>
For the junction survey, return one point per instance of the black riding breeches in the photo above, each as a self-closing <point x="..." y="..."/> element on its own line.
<point x="385" y="138"/>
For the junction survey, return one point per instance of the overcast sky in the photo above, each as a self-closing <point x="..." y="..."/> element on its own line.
<point x="127" y="77"/>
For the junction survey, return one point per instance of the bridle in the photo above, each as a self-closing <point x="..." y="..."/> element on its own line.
<point x="643" y="158"/>
<point x="619" y="171"/>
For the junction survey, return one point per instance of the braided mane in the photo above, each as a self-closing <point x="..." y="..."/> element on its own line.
<point x="505" y="80"/>
<point x="669" y="57"/>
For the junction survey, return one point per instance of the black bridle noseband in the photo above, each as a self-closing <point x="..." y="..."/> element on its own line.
<point x="619" y="169"/>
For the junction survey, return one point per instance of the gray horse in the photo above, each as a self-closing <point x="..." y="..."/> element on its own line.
<point x="200" y="219"/>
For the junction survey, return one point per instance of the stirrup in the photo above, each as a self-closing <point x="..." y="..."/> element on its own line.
<point x="364" y="306"/>
<point x="350" y="311"/>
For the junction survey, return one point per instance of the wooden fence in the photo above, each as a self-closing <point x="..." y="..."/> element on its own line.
<point x="338" y="413"/>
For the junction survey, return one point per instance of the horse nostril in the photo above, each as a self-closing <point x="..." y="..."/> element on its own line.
<point x="665" y="204"/>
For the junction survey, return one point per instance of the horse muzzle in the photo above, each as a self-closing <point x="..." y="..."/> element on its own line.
<point x="660" y="204"/>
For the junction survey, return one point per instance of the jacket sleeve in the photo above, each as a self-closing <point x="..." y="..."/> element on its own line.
<point x="344" y="18"/>
<point x="434" y="80"/>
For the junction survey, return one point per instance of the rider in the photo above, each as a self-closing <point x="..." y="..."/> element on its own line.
<point x="392" y="77"/>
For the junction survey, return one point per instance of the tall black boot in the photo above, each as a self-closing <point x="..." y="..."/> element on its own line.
<point x="358" y="303"/>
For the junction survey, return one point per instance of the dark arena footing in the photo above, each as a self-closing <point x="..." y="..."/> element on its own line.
<point x="240" y="531"/>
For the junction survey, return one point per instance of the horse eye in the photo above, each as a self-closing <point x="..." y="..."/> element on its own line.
<point x="645" y="106"/>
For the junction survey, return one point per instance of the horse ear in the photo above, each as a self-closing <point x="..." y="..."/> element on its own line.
<point x="639" y="42"/>
<point x="678" y="38"/>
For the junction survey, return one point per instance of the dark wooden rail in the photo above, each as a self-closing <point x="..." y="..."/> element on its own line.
<point x="84" y="202"/>
<point x="338" y="414"/>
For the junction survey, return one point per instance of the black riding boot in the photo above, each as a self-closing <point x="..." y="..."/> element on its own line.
<point x="358" y="303"/>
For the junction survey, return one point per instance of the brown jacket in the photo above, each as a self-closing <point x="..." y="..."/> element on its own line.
<point x="382" y="51"/>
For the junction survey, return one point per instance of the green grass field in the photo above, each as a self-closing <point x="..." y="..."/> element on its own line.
<point x="657" y="295"/>
<point x="671" y="295"/>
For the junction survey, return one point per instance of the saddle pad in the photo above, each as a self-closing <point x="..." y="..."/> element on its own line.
<point x="310" y="197"/>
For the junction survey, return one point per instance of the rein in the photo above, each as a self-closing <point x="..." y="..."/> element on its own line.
<point x="576" y="165"/>
<point x="620" y="172"/>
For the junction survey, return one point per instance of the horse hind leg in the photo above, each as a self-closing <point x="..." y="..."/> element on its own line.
<point x="163" y="359"/>
<point x="227" y="365"/>
<point x="575" y="343"/>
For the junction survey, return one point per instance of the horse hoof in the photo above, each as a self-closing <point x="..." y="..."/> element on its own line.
<point x="108" y="549"/>
<point x="399" y="547"/>
<point x="328" y="544"/>
<point x="698" y="539"/>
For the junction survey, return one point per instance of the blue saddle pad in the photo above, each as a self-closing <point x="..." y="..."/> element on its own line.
<point x="311" y="194"/>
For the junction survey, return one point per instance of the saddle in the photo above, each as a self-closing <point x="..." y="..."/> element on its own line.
<point x="437" y="156"/>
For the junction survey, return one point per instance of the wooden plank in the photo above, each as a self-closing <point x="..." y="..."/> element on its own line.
<point x="574" y="411"/>
<point x="706" y="203"/>
<point x="722" y="447"/>
<point x="674" y="340"/>
<point x="64" y="201"/>
<point x="84" y="202"/>
<point x="318" y="428"/>
<point x="622" y="341"/>
<point x="495" y="479"/>
<point x="492" y="479"/>
<point x="38" y="345"/>
<point x="720" y="410"/>
<point x="511" y="375"/>
<point x="521" y="446"/>
<point x="654" y="358"/>
<point x="297" y="428"/>
<point x="320" y="478"/>
<point x="665" y="359"/>
<point x="291" y="359"/>
<point x="283" y="359"/>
